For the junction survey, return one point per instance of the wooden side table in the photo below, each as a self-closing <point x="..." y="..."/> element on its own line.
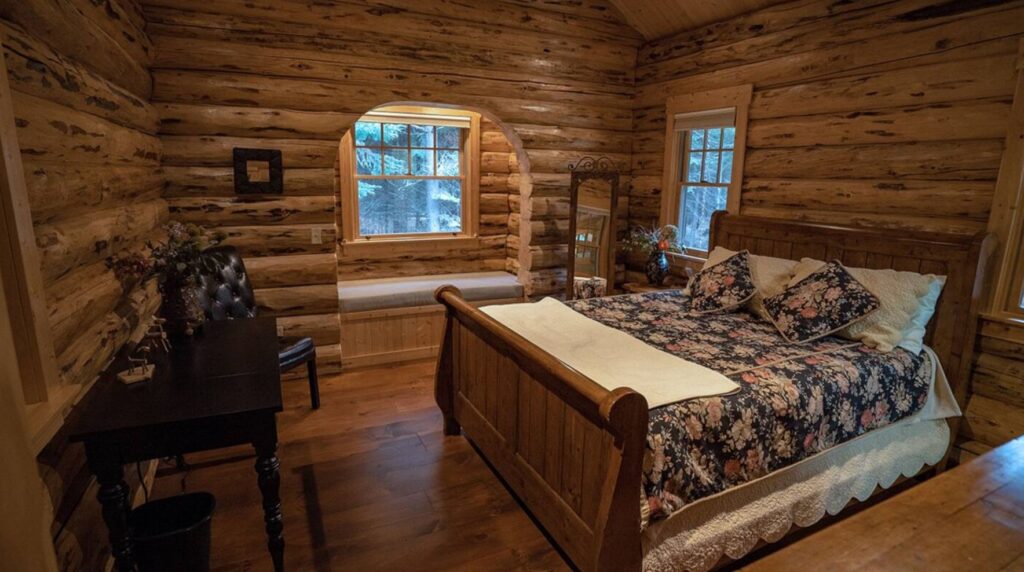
<point x="641" y="287"/>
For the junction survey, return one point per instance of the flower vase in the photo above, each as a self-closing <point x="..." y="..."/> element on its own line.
<point x="181" y="306"/>
<point x="656" y="268"/>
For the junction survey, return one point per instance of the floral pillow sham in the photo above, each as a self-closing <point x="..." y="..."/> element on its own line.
<point x="824" y="302"/>
<point x="724" y="286"/>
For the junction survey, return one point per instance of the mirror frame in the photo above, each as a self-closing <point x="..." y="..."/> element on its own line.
<point x="586" y="169"/>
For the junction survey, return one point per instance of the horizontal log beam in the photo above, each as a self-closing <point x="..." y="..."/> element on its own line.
<point x="292" y="270"/>
<point x="63" y="190"/>
<point x="940" y="160"/>
<point x="279" y="240"/>
<point x="258" y="210"/>
<point x="50" y="132"/>
<point x="984" y="119"/>
<point x="213" y="151"/>
<point x="36" y="69"/>
<point x="226" y="120"/>
<point x="298" y="300"/>
<point x="72" y="31"/>
<point x="954" y="199"/>
<point x="66" y="244"/>
<point x="220" y="182"/>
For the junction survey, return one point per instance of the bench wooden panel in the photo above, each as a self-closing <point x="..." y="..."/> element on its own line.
<point x="395" y="335"/>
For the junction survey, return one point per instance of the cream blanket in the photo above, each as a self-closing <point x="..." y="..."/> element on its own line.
<point x="609" y="357"/>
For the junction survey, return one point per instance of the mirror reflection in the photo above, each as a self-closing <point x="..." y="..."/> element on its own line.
<point x="594" y="190"/>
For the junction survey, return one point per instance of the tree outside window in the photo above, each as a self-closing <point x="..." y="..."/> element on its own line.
<point x="409" y="178"/>
<point x="706" y="173"/>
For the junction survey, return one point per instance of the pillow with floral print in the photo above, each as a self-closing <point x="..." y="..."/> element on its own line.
<point x="724" y="286"/>
<point x="824" y="302"/>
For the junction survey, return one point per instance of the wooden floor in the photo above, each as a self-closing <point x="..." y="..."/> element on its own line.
<point x="368" y="483"/>
<point x="969" y="518"/>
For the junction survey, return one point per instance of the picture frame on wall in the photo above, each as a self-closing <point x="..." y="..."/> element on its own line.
<point x="258" y="171"/>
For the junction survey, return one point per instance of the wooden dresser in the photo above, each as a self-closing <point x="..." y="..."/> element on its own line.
<point x="970" y="518"/>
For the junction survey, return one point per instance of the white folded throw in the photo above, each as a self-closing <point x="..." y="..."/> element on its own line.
<point x="607" y="356"/>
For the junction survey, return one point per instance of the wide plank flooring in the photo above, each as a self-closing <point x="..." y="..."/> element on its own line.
<point x="368" y="482"/>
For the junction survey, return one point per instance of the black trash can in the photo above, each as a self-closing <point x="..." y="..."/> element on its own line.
<point x="173" y="534"/>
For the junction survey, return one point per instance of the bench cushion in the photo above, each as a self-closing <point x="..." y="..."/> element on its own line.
<point x="383" y="293"/>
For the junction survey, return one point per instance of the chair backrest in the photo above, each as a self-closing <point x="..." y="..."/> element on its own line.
<point x="224" y="289"/>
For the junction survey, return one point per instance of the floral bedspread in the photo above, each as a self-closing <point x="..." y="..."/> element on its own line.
<point x="795" y="400"/>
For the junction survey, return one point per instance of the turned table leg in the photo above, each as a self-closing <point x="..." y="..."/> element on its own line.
<point x="114" y="497"/>
<point x="269" y="479"/>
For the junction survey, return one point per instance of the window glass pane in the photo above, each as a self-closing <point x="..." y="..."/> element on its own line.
<point x="695" y="207"/>
<point x="423" y="162"/>
<point x="697" y="139"/>
<point x="729" y="137"/>
<point x="725" y="173"/>
<point x="447" y="162"/>
<point x="448" y="137"/>
<point x="714" y="140"/>
<point x="396" y="135"/>
<point x="367" y="133"/>
<point x="368" y="161"/>
<point x="398" y="206"/>
<point x="711" y="167"/>
<point x="422" y="135"/>
<point x="693" y="167"/>
<point x="396" y="162"/>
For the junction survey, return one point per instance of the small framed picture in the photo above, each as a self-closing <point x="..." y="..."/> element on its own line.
<point x="258" y="171"/>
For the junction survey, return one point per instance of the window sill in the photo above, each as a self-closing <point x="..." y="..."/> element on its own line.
<point x="1004" y="318"/>
<point x="683" y="258"/>
<point x="378" y="246"/>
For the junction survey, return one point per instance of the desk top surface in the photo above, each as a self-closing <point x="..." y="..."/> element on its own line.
<point x="969" y="518"/>
<point x="229" y="367"/>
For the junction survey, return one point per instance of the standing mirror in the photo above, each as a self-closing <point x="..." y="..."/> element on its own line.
<point x="594" y="194"/>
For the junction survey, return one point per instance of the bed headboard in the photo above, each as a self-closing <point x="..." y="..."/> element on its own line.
<point x="962" y="259"/>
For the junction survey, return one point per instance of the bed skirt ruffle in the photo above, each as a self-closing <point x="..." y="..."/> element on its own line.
<point x="731" y="523"/>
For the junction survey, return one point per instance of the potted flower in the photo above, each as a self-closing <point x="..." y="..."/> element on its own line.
<point x="175" y="263"/>
<point x="655" y="243"/>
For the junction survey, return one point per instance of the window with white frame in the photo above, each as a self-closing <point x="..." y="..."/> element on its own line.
<point x="705" y="138"/>
<point x="707" y="143"/>
<point x="409" y="178"/>
<point x="410" y="174"/>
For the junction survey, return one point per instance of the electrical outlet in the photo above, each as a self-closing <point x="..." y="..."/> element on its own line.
<point x="316" y="235"/>
<point x="280" y="331"/>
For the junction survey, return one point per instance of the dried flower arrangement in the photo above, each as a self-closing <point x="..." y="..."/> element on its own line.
<point x="646" y="240"/>
<point x="175" y="262"/>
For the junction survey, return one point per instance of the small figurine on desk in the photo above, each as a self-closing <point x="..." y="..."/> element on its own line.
<point x="157" y="334"/>
<point x="139" y="368"/>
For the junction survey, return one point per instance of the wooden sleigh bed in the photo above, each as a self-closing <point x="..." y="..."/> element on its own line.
<point x="572" y="451"/>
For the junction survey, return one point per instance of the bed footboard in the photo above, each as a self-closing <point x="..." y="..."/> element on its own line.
<point x="568" y="448"/>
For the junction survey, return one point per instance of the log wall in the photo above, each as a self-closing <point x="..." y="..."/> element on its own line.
<point x="295" y="75"/>
<point x="87" y="132"/>
<point x="995" y="408"/>
<point x="875" y="113"/>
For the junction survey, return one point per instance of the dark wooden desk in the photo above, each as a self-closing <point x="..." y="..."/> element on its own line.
<point x="969" y="518"/>
<point x="220" y="389"/>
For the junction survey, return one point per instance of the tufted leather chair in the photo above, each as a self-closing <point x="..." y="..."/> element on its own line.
<point x="225" y="293"/>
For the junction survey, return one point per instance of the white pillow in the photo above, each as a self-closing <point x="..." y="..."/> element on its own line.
<point x="906" y="303"/>
<point x="913" y="334"/>
<point x="771" y="276"/>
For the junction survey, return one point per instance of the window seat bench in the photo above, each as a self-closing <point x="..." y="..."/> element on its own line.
<point x="394" y="320"/>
